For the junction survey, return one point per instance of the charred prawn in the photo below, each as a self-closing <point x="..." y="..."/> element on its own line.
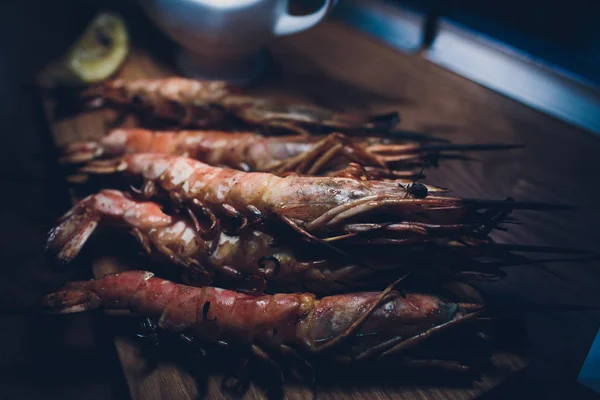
<point x="350" y="327"/>
<point x="322" y="209"/>
<point x="252" y="261"/>
<point x="214" y="104"/>
<point x="301" y="155"/>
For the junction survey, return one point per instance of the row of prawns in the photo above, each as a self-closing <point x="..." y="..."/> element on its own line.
<point x="328" y="207"/>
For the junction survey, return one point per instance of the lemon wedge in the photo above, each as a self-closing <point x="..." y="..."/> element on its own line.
<point x="95" y="56"/>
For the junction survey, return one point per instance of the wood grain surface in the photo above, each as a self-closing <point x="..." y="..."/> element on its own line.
<point x="335" y="66"/>
<point x="168" y="380"/>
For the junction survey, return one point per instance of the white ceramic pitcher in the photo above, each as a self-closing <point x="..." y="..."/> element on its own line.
<point x="224" y="39"/>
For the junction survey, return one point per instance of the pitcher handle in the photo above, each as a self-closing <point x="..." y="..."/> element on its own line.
<point x="288" y="24"/>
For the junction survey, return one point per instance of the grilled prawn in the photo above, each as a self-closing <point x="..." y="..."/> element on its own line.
<point x="350" y="327"/>
<point x="278" y="155"/>
<point x="330" y="207"/>
<point x="199" y="104"/>
<point x="248" y="261"/>
<point x="252" y="261"/>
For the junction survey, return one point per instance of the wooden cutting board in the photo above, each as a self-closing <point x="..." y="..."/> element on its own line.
<point x="301" y="79"/>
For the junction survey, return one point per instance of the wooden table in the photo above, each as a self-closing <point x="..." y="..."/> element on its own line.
<point x="334" y="66"/>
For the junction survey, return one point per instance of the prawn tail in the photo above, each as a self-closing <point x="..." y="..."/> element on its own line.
<point x="73" y="298"/>
<point x="81" y="152"/>
<point x="67" y="239"/>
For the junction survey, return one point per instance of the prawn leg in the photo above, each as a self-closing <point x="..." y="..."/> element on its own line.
<point x="287" y="351"/>
<point x="312" y="238"/>
<point x="196" y="275"/>
<point x="415" y="340"/>
<point x="296" y="320"/>
<point x="148" y="331"/>
<point x="356" y="153"/>
<point x="193" y="208"/>
<point x="345" y="211"/>
<point x="148" y="337"/>
<point x="325" y="158"/>
<point x="263" y="355"/>
<point x="379" y="173"/>
<point x="299" y="163"/>
<point x="148" y="190"/>
<point x="197" y="207"/>
<point x="252" y="284"/>
<point x="324" y="151"/>
<point x="278" y="123"/>
<point x="364" y="173"/>
<point x="352" y="171"/>
<point x="356" y="324"/>
<point x="234" y="214"/>
<point x="196" y="349"/>
<point x="291" y="353"/>
<point x="330" y="215"/>
<point x="142" y="240"/>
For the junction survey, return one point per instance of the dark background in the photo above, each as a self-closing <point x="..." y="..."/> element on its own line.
<point x="43" y="357"/>
<point x="563" y="35"/>
<point x="40" y="357"/>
